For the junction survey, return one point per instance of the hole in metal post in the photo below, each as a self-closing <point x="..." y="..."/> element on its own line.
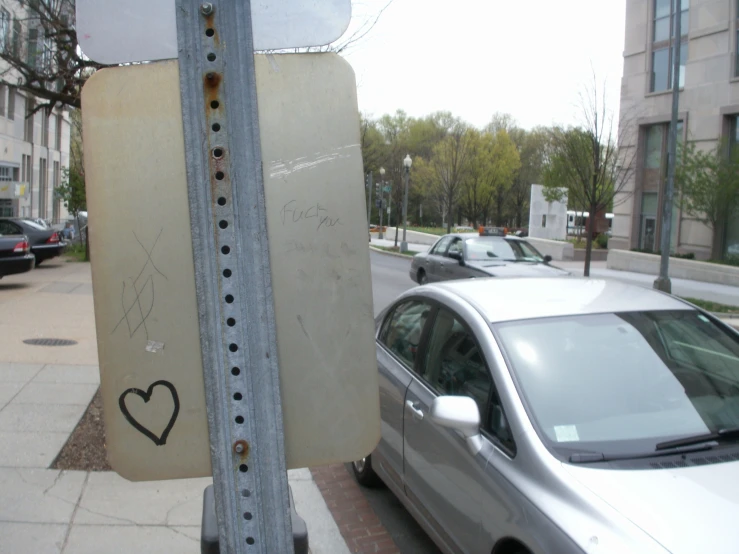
<point x="209" y="32"/>
<point x="222" y="201"/>
<point x="235" y="371"/>
<point x="230" y="322"/>
<point x="229" y="298"/>
<point x="239" y="419"/>
<point x="237" y="396"/>
<point x="214" y="104"/>
<point x="227" y="273"/>
<point x="223" y="224"/>
<point x="216" y="127"/>
<point x="225" y="249"/>
<point x="233" y="347"/>
<point x="246" y="493"/>
<point x="218" y="153"/>
<point x="220" y="175"/>
<point x="211" y="57"/>
<point x="247" y="516"/>
<point x="249" y="540"/>
<point x="243" y="468"/>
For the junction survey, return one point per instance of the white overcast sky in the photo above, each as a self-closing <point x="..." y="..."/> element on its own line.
<point x="529" y="58"/>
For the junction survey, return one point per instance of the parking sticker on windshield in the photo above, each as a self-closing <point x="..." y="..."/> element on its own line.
<point x="566" y="433"/>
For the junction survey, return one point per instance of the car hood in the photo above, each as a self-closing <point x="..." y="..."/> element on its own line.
<point x="518" y="269"/>
<point x="683" y="509"/>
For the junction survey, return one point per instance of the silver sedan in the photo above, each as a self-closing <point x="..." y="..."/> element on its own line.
<point x="461" y="256"/>
<point x="559" y="416"/>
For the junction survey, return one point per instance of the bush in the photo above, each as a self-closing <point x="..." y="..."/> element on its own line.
<point x="687" y="256"/>
<point x="602" y="240"/>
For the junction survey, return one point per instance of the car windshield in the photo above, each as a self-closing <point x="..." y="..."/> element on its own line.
<point x="621" y="383"/>
<point x="500" y="249"/>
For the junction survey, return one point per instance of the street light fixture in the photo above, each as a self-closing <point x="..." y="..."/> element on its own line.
<point x="407" y="162"/>
<point x="381" y="235"/>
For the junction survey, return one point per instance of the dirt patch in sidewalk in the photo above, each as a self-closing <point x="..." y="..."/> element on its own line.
<point x="85" y="448"/>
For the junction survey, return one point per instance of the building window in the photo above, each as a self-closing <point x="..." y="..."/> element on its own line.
<point x="28" y="127"/>
<point x="3" y="99"/>
<point x="17" y="30"/>
<point x="6" y="173"/>
<point x="11" y="102"/>
<point x="653" y="182"/>
<point x="4" y="28"/>
<point x="731" y="241"/>
<point x="662" y="40"/>
<point x="59" y="123"/>
<point x="32" y="51"/>
<point x="46" y="57"/>
<point x="43" y="181"/>
<point x="44" y="130"/>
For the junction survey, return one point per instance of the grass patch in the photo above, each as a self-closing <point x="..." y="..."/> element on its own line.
<point x="582" y="243"/>
<point x="713" y="306"/>
<point x="396" y="250"/>
<point x="75" y="252"/>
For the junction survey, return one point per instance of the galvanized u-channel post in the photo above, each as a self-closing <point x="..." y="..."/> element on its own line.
<point x="232" y="275"/>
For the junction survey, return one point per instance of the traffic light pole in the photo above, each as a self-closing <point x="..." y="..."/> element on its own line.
<point x="232" y="275"/>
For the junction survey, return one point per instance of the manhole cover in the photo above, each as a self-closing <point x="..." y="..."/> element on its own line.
<point x="50" y="342"/>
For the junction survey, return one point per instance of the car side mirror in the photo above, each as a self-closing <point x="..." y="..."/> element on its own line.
<point x="461" y="414"/>
<point x="457" y="256"/>
<point x="547" y="259"/>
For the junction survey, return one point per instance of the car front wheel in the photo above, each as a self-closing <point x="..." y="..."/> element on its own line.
<point x="364" y="473"/>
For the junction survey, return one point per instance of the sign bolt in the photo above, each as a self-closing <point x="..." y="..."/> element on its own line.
<point x="206" y="8"/>
<point x="239" y="447"/>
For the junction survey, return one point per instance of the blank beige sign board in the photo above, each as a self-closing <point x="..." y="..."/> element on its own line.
<point x="143" y="278"/>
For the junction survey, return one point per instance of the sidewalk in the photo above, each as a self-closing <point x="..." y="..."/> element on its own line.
<point x="44" y="391"/>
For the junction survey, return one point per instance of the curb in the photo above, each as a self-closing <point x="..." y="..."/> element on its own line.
<point x="396" y="254"/>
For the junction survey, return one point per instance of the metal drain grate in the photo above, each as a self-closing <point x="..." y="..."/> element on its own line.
<point x="50" y="342"/>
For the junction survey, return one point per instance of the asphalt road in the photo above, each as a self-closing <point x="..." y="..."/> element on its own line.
<point x="389" y="279"/>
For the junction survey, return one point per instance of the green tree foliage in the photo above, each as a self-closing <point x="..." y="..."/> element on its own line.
<point x="708" y="183"/>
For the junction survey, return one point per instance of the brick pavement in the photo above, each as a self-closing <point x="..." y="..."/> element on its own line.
<point x="357" y="521"/>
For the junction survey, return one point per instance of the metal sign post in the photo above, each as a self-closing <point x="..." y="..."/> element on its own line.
<point x="232" y="275"/>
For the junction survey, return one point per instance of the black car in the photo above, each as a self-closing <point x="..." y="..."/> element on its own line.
<point x="15" y="252"/>
<point x="45" y="242"/>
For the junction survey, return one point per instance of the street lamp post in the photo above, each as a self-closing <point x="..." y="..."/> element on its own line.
<point x="407" y="162"/>
<point x="381" y="235"/>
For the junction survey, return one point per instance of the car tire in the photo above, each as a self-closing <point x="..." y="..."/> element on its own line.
<point x="421" y="277"/>
<point x="364" y="474"/>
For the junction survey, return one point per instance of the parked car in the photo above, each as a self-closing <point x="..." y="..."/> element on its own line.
<point x="15" y="252"/>
<point x="559" y="416"/>
<point x="489" y="253"/>
<point x="45" y="242"/>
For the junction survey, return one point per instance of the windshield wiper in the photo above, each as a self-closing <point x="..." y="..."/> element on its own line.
<point x="721" y="434"/>
<point x="593" y="457"/>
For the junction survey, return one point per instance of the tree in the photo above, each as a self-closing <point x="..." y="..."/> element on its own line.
<point x="709" y="185"/>
<point x="451" y="162"/>
<point x="72" y="189"/>
<point x="42" y="54"/>
<point x="588" y="163"/>
<point x="492" y="166"/>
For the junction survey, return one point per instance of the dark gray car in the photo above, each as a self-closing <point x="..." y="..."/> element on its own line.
<point x="461" y="256"/>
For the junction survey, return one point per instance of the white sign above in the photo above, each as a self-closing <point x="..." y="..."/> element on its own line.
<point x="115" y="31"/>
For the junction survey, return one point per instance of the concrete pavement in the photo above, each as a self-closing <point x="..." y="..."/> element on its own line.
<point x="44" y="391"/>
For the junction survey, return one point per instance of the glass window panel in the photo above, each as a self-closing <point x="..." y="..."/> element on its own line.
<point x="654" y="146"/>
<point x="685" y="23"/>
<point x="683" y="61"/>
<point x="662" y="29"/>
<point x="649" y="203"/>
<point x="660" y="69"/>
<point x="661" y="8"/>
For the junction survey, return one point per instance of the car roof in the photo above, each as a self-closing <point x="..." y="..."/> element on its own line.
<point x="467" y="236"/>
<point x="508" y="299"/>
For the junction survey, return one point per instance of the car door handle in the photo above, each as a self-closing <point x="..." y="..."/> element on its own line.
<point x="413" y="407"/>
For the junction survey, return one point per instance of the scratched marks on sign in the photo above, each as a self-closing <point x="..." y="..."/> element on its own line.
<point x="281" y="169"/>
<point x="137" y="292"/>
<point x="293" y="212"/>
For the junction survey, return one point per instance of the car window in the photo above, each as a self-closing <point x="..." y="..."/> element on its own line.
<point x="35" y="225"/>
<point x="441" y="246"/>
<point x="456" y="247"/>
<point x="404" y="328"/>
<point x="9" y="228"/>
<point x="500" y="249"/>
<point x="454" y="363"/>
